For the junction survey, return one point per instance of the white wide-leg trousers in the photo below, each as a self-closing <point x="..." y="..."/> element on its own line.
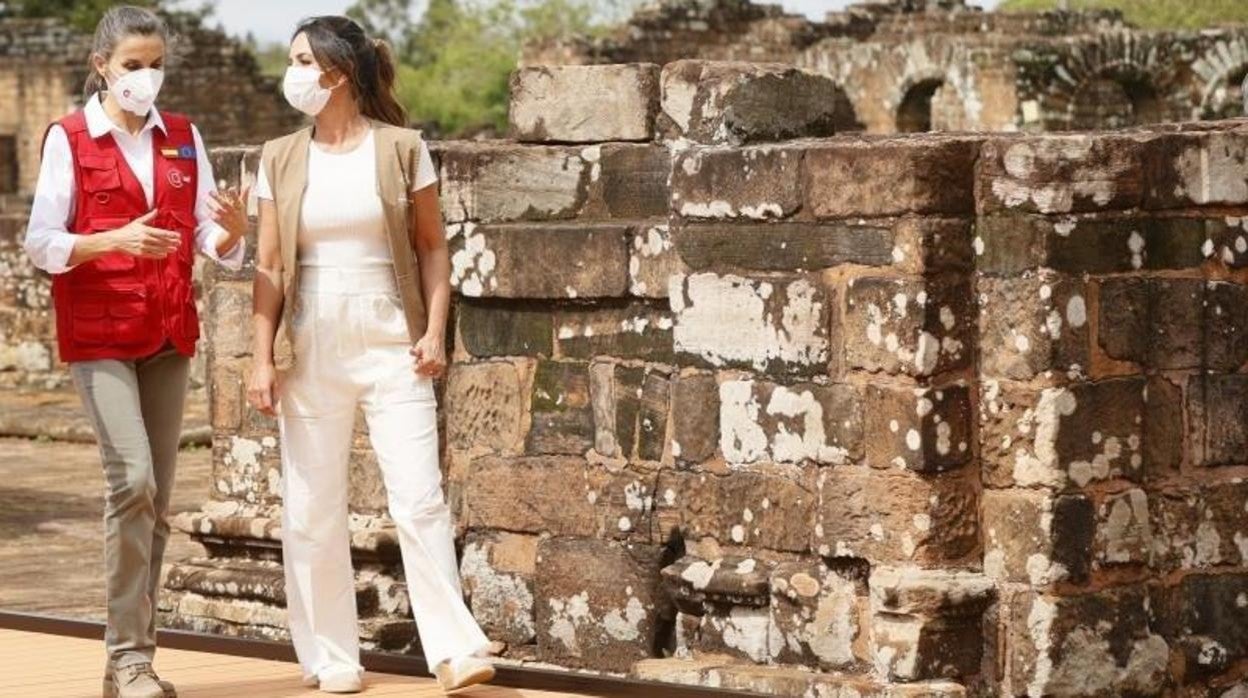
<point x="351" y="345"/>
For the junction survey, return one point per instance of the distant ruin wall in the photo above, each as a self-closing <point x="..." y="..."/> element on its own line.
<point x="903" y="416"/>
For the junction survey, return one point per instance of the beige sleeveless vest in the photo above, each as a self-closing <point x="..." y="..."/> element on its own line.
<point x="285" y="163"/>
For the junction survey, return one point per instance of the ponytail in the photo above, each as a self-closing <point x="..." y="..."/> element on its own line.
<point x="340" y="43"/>
<point x="378" y="99"/>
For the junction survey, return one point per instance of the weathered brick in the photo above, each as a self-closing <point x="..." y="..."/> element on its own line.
<point x="484" y="407"/>
<point x="929" y="175"/>
<point x="584" y="103"/>
<point x="1037" y="538"/>
<point x="630" y="180"/>
<point x="931" y="244"/>
<point x="891" y="516"/>
<point x="540" y="260"/>
<point x="630" y="405"/>
<point x="636" y="330"/>
<point x="765" y="422"/>
<point x="908" y="326"/>
<point x="562" y="420"/>
<point x="923" y="429"/>
<point x="1219" y="418"/>
<point x="755" y="182"/>
<point x="731" y="579"/>
<point x="735" y="102"/>
<point x="779" y="326"/>
<point x="1225" y="323"/>
<point x="652" y="260"/>
<point x="695" y="417"/>
<point x="1226" y="239"/>
<point x="1095" y="644"/>
<point x="1032" y="324"/>
<point x="1059" y="173"/>
<point x="1063" y="436"/>
<point x="763" y="507"/>
<point x="1155" y="322"/>
<point x="1200" y="527"/>
<point x="1208" y="615"/>
<point x="600" y="604"/>
<point x="1124" y="530"/>
<point x="1163" y="426"/>
<point x="1196" y="169"/>
<point x="498" y="570"/>
<point x="782" y="246"/>
<point x="230" y="318"/>
<point x="820" y="613"/>
<point x="504" y="328"/>
<point x="507" y="182"/>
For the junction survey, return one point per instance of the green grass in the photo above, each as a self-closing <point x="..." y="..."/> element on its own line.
<point x="1155" y="14"/>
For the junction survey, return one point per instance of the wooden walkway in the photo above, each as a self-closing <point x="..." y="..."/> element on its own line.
<point x="36" y="665"/>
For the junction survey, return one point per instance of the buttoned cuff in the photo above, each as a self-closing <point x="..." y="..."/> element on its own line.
<point x="58" y="251"/>
<point x="232" y="260"/>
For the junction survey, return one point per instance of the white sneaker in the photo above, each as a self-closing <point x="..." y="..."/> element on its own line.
<point x="340" y="681"/>
<point x="461" y="672"/>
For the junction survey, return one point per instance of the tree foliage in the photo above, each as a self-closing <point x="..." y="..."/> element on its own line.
<point x="1154" y="14"/>
<point x="85" y="14"/>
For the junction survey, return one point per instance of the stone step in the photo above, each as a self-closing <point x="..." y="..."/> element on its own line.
<point x="715" y="671"/>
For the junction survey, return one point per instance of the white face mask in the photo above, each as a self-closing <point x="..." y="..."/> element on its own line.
<point x="302" y="88"/>
<point x="136" y="90"/>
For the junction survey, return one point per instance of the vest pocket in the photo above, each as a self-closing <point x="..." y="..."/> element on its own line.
<point x="113" y="261"/>
<point x="99" y="173"/>
<point x="101" y="317"/>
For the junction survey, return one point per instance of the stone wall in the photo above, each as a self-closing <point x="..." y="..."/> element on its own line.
<point x="845" y="415"/>
<point x="913" y="65"/>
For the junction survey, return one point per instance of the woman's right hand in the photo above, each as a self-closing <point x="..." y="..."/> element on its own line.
<point x="262" y="387"/>
<point x="139" y="239"/>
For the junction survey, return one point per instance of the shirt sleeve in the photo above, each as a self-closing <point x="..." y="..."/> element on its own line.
<point x="208" y="231"/>
<point x="48" y="240"/>
<point x="425" y="172"/>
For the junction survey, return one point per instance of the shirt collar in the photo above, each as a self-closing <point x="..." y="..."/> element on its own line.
<point x="98" y="122"/>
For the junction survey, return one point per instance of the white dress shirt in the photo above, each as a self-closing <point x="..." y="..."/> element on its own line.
<point x="48" y="240"/>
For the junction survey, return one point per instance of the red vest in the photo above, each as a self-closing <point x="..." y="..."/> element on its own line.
<point x="118" y="306"/>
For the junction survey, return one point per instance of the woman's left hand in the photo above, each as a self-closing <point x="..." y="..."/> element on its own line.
<point x="229" y="210"/>
<point x="430" y="355"/>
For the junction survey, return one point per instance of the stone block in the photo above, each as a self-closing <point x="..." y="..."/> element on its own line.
<point x="1063" y="436"/>
<point x="1033" y="324"/>
<point x="774" y="325"/>
<point x="931" y="244"/>
<point x="628" y="180"/>
<point x="756" y="182"/>
<point x="497" y="570"/>
<point x="927" y="624"/>
<point x="630" y="408"/>
<point x="1207" y="613"/>
<point x="820" y="613"/>
<point x="1036" y="537"/>
<point x="1201" y="527"/>
<point x="1124" y="530"/>
<point x="783" y="246"/>
<point x="891" y="516"/>
<point x="652" y="261"/>
<point x="695" y="417"/>
<point x="599" y="603"/>
<point x="760" y="507"/>
<point x="1218" y="418"/>
<point x="562" y="419"/>
<point x="1094" y="644"/>
<point x="635" y="330"/>
<point x="908" y="326"/>
<point x="1196" y="169"/>
<point x="485" y="407"/>
<point x="509" y="182"/>
<point x="1009" y="244"/>
<point x="490" y="327"/>
<point x="229" y="328"/>
<point x="1064" y="173"/>
<point x="929" y="175"/>
<point x="540" y="260"/>
<point x="738" y="102"/>
<point x="1226" y="240"/>
<point x="584" y="103"/>
<point x="761" y="421"/>
<point x="925" y="429"/>
<point x="1158" y="323"/>
<point x="731" y="579"/>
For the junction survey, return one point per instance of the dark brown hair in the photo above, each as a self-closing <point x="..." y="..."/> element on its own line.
<point x="340" y="43"/>
<point x="116" y="24"/>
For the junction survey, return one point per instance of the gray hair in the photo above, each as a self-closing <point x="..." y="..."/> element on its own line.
<point x="116" y="24"/>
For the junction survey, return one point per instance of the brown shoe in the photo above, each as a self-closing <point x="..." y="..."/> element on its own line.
<point x="136" y="681"/>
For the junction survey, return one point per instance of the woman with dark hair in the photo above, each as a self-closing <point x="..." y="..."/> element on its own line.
<point x="124" y="199"/>
<point x="350" y="305"/>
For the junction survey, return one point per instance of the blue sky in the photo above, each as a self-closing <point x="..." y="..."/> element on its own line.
<point x="273" y="19"/>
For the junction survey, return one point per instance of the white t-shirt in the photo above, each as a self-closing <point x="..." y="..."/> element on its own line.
<point x="343" y="221"/>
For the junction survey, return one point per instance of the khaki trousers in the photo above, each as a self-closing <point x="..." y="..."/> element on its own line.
<point x="135" y="407"/>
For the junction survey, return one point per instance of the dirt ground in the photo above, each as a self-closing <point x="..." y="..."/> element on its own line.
<point x="51" y="523"/>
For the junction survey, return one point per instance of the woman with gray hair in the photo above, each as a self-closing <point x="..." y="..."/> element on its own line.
<point x="124" y="199"/>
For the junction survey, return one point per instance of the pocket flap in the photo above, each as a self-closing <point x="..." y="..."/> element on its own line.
<point x="127" y="308"/>
<point x="97" y="162"/>
<point x="99" y="225"/>
<point x="90" y="309"/>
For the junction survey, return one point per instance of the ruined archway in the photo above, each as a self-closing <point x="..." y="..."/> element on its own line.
<point x="1223" y="69"/>
<point x="1114" y="102"/>
<point x="914" y="114"/>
